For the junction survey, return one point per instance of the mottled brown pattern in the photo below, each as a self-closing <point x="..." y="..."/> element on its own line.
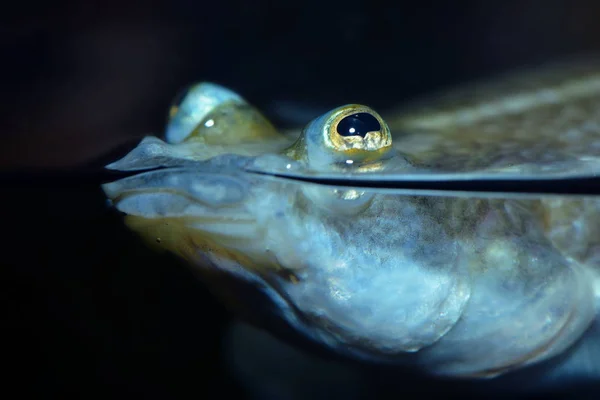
<point x="484" y="127"/>
<point x="454" y="132"/>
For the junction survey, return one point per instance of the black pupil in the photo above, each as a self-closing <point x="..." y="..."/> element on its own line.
<point x="358" y="125"/>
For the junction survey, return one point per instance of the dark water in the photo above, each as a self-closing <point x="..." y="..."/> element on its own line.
<point x="89" y="310"/>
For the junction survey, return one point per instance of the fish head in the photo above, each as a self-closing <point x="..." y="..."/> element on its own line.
<point x="457" y="285"/>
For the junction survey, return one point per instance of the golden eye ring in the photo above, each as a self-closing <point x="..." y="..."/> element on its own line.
<point x="357" y="130"/>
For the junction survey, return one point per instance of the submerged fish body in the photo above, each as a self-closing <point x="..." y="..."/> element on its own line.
<point x="455" y="284"/>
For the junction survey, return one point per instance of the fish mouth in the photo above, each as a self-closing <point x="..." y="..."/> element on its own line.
<point x="157" y="180"/>
<point x="181" y="183"/>
<point x="180" y="208"/>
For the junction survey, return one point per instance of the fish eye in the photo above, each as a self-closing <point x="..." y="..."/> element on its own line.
<point x="353" y="129"/>
<point x="358" y="125"/>
<point x="344" y="135"/>
<point x="192" y="105"/>
<point x="212" y="114"/>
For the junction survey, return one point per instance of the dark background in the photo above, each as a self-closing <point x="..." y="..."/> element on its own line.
<point x="89" y="310"/>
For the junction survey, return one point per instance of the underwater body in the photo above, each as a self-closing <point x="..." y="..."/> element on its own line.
<point x="453" y="283"/>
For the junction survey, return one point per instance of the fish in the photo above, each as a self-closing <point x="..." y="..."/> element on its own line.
<point x="371" y="235"/>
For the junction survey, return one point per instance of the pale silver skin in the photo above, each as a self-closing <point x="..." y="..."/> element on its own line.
<point x="456" y="284"/>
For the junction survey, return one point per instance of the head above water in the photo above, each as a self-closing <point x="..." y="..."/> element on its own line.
<point x="213" y="115"/>
<point x="458" y="286"/>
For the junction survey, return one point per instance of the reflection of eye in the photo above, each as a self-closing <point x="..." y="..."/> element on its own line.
<point x="358" y="125"/>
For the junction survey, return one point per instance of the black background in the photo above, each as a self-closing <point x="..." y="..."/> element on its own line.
<point x="89" y="310"/>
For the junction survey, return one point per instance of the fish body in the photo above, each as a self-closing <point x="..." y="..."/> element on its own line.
<point x="455" y="284"/>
